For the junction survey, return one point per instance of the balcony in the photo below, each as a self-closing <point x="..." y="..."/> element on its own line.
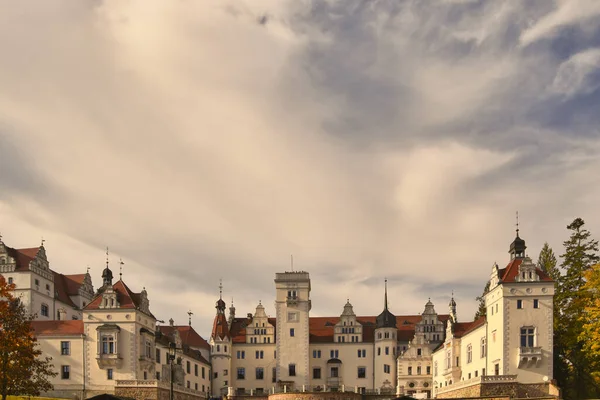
<point x="334" y="382"/>
<point x="529" y="356"/>
<point x="292" y="300"/>
<point x="109" y="360"/>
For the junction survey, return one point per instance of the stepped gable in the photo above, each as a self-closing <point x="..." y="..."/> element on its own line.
<point x="22" y="256"/>
<point x="511" y="271"/>
<point x="126" y="297"/>
<point x="463" y="328"/>
<point x="322" y="328"/>
<point x="57" y="328"/>
<point x="238" y="329"/>
<point x="188" y="335"/>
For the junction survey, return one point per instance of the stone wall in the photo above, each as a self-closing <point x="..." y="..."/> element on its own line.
<point x="503" y="390"/>
<point x="153" y="393"/>
<point x="316" y="396"/>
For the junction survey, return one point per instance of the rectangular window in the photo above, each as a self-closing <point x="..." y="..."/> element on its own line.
<point x="386" y="369"/>
<point x="65" y="348"/>
<point x="108" y="344"/>
<point x="259" y="354"/>
<point x="260" y="373"/>
<point x="44" y="310"/>
<point x="410" y="370"/>
<point x="203" y="373"/>
<point x="291" y="332"/>
<point x="188" y="367"/>
<point x="274" y="378"/>
<point x="37" y="282"/>
<point x="158" y="356"/>
<point x="10" y="281"/>
<point x="334" y="372"/>
<point x="519" y="304"/>
<point x="419" y="352"/>
<point x="292" y="370"/>
<point x="483" y="347"/>
<point x="387" y="351"/>
<point x="496" y="369"/>
<point x="419" y="370"/>
<point x="469" y="354"/>
<point x="316" y="353"/>
<point x="241" y="354"/>
<point x="195" y="369"/>
<point x="109" y="374"/>
<point x="241" y="373"/>
<point x="157" y="376"/>
<point x="362" y="372"/>
<point x="225" y="372"/>
<point x="527" y="337"/>
<point x="195" y="386"/>
<point x="316" y="373"/>
<point x="379" y="351"/>
<point x="536" y="303"/>
<point x="65" y="372"/>
<point x="428" y="370"/>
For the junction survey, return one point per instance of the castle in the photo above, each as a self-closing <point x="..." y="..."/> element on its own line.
<point x="109" y="340"/>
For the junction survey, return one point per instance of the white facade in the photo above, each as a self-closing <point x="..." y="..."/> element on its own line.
<point x="514" y="339"/>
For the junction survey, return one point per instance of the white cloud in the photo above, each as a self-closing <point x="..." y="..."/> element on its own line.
<point x="568" y="12"/>
<point x="573" y="75"/>
<point x="196" y="143"/>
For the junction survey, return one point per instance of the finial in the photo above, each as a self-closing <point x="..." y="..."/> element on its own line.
<point x="517" y="224"/>
<point x="106" y="256"/>
<point x="190" y="313"/>
<point x="88" y="269"/>
<point x="43" y="241"/>
<point x="221" y="289"/>
<point x="121" y="263"/>
<point x="260" y="302"/>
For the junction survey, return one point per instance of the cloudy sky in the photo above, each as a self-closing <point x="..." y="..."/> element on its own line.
<point x="211" y="139"/>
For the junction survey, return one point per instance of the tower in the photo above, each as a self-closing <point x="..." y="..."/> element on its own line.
<point x="520" y="318"/>
<point x="385" y="347"/>
<point x="292" y="306"/>
<point x="220" y="355"/>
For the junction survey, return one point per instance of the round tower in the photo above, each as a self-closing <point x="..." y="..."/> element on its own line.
<point x="220" y="350"/>
<point x="385" y="343"/>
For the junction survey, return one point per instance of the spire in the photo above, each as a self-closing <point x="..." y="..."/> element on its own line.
<point x="107" y="275"/>
<point x="220" y="306"/>
<point x="121" y="263"/>
<point x="517" y="224"/>
<point x="385" y="303"/>
<point x="386" y="319"/>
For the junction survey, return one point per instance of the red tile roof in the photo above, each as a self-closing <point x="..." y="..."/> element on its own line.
<point x="60" y="289"/>
<point x="22" y="256"/>
<point x="511" y="271"/>
<point x="126" y="298"/>
<point x="52" y="328"/>
<point x="188" y="335"/>
<point x="220" y="327"/>
<point x="463" y="328"/>
<point x="321" y="328"/>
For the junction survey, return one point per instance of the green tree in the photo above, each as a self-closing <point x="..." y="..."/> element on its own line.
<point x="22" y="370"/>
<point x="573" y="366"/>
<point x="482" y="311"/>
<point x="547" y="262"/>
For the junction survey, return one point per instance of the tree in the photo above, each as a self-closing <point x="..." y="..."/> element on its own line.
<point x="573" y="368"/>
<point x="482" y="311"/>
<point x="591" y="320"/>
<point x="547" y="262"/>
<point x="22" y="370"/>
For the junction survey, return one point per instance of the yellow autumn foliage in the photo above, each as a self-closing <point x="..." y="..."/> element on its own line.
<point x="591" y="318"/>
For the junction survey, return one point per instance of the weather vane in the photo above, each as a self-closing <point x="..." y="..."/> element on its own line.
<point x="190" y="313"/>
